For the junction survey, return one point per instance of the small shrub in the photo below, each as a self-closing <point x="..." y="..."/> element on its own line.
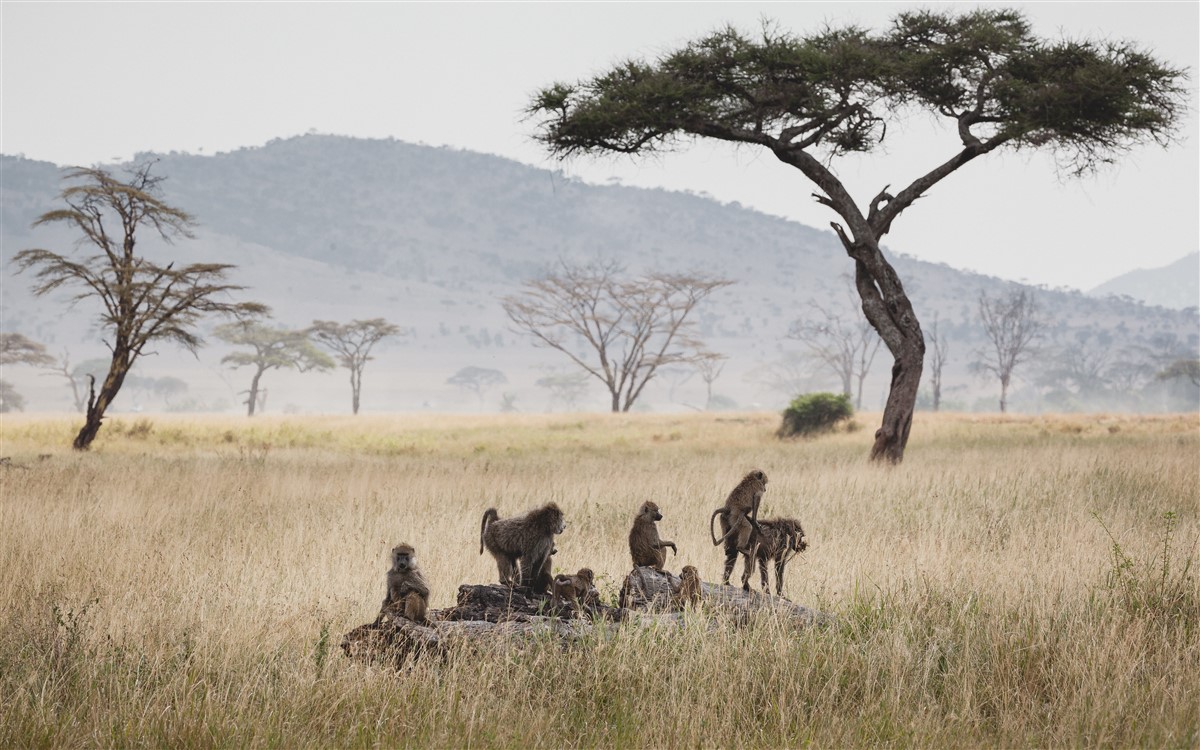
<point x="814" y="413"/>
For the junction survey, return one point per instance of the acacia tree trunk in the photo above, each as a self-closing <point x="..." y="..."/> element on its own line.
<point x="1004" y="394"/>
<point x="252" y="399"/>
<point x="355" y="387"/>
<point x="99" y="403"/>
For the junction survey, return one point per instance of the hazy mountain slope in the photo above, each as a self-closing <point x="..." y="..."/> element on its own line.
<point x="431" y="238"/>
<point x="1176" y="285"/>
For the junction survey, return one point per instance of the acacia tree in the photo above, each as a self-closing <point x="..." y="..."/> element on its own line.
<point x="710" y="367"/>
<point x="940" y="349"/>
<point x="271" y="349"/>
<point x="1012" y="323"/>
<point x="478" y="380"/>
<point x="16" y="349"/>
<point x="566" y="387"/>
<point x="351" y="343"/>
<point x="143" y="302"/>
<point x="809" y="100"/>
<point x="633" y="327"/>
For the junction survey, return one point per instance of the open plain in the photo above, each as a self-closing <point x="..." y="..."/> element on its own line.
<point x="1017" y="581"/>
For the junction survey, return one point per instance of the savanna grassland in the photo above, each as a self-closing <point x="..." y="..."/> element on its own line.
<point x="1022" y="581"/>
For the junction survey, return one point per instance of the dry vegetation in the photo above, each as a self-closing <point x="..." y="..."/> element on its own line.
<point x="1016" y="582"/>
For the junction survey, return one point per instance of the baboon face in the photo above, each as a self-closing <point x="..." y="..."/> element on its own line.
<point x="689" y="571"/>
<point x="758" y="476"/>
<point x="556" y="515"/>
<point x="586" y="574"/>
<point x="403" y="557"/>
<point x="650" y="511"/>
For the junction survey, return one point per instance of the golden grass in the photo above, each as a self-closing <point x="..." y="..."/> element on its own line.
<point x="187" y="582"/>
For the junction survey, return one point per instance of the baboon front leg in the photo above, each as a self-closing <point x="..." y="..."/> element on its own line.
<point x="779" y="564"/>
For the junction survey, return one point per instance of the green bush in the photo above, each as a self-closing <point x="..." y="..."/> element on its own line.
<point x="812" y="413"/>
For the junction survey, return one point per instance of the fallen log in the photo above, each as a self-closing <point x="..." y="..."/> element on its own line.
<point x="496" y="616"/>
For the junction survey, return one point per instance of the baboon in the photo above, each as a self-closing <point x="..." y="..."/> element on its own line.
<point x="688" y="591"/>
<point x="644" y="543"/>
<point x="407" y="591"/>
<point x="522" y="545"/>
<point x="739" y="523"/>
<point x="574" y="588"/>
<point x="780" y="539"/>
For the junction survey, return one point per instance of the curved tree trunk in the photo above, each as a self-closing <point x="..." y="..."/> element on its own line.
<point x="252" y="398"/>
<point x="99" y="403"/>
<point x="355" y="387"/>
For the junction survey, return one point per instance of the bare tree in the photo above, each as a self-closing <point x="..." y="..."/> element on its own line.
<point x="937" y="348"/>
<point x="143" y="301"/>
<point x="621" y="331"/>
<point x="272" y="349"/>
<point x="351" y="343"/>
<point x="16" y="349"/>
<point x="710" y="366"/>
<point x="1012" y="324"/>
<point x="478" y="380"/>
<point x="844" y="342"/>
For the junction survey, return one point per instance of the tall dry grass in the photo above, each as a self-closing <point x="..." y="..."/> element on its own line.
<point x="1016" y="582"/>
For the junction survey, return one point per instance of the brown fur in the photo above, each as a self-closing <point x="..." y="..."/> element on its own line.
<point x="574" y="588"/>
<point x="522" y="545"/>
<point x="407" y="591"/>
<point x="688" y="591"/>
<point x="645" y="546"/>
<point x="779" y="540"/>
<point x="739" y="522"/>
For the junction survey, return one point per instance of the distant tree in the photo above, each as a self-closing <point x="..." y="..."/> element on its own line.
<point x="1184" y="369"/>
<point x="351" y="343"/>
<point x="1012" y="324"/>
<point x="271" y="349"/>
<point x="810" y="100"/>
<point x="1079" y="368"/>
<point x="143" y="302"/>
<point x="842" y="341"/>
<point x="478" y="380"/>
<point x="710" y="368"/>
<point x="937" y="348"/>
<point x="628" y="329"/>
<point x="565" y="388"/>
<point x="167" y="388"/>
<point x="508" y="403"/>
<point x="16" y="349"/>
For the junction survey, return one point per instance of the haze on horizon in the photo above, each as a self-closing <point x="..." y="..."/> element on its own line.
<point x="88" y="83"/>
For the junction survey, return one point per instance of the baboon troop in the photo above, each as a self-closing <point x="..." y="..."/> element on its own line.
<point x="645" y="546"/>
<point x="522" y="545"/>
<point x="780" y="540"/>
<point x="576" y="588"/>
<point x="407" y="592"/>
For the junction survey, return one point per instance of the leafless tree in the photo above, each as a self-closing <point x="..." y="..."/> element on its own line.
<point x="621" y="331"/>
<point x="937" y="348"/>
<point x="842" y="340"/>
<point x="1012" y="324"/>
<point x="351" y="343"/>
<point x="710" y="366"/>
<point x="271" y="349"/>
<point x="143" y="301"/>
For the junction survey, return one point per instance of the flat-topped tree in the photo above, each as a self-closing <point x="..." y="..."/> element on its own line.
<point x="812" y="99"/>
<point x="142" y="302"/>
<point x="351" y="343"/>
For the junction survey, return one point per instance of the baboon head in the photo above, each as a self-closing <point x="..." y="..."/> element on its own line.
<point x="756" y="477"/>
<point x="404" y="557"/>
<point x="649" y="512"/>
<point x="797" y="541"/>
<point x="586" y="575"/>
<point x="552" y="517"/>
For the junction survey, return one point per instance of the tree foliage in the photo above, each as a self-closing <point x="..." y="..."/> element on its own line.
<point x="141" y="301"/>
<point x="351" y="344"/>
<point x="270" y="348"/>
<point x="813" y="413"/>
<point x="810" y="99"/>
<point x="620" y="330"/>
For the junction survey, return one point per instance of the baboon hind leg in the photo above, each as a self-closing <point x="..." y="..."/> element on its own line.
<point x="731" y="556"/>
<point x="747" y="571"/>
<point x="762" y="569"/>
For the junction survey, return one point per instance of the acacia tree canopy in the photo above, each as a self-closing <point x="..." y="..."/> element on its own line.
<point x="271" y="348"/>
<point x="810" y="99"/>
<point x="352" y="343"/>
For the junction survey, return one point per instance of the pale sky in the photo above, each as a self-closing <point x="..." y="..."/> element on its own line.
<point x="94" y="82"/>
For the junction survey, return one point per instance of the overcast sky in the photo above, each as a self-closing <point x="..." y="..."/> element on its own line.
<point x="87" y="83"/>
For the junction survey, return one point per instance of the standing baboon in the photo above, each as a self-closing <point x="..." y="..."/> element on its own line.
<point x="644" y="543"/>
<point x="688" y="591"/>
<point x="739" y="523"/>
<point x="407" y="591"/>
<point x="522" y="545"/>
<point x="574" y="588"/>
<point x="779" y="539"/>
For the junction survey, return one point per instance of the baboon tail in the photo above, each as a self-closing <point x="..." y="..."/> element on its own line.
<point x="489" y="515"/>
<point x="712" y="531"/>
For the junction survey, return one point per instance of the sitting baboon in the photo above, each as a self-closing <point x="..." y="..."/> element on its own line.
<point x="574" y="588"/>
<point x="407" y="591"/>
<point x="739" y="523"/>
<point x="644" y="543"/>
<point x="779" y="539"/>
<point x="522" y="545"/>
<point x="688" y="591"/>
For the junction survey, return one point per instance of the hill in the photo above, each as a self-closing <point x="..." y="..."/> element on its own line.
<point x="431" y="238"/>
<point x="1174" y="285"/>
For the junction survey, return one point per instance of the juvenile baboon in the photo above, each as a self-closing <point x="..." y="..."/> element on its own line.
<point x="739" y="523"/>
<point x="688" y="591"/>
<point x="779" y="539"/>
<point x="574" y="588"/>
<point x="645" y="546"/>
<point x="522" y="545"/>
<point x="407" y="591"/>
